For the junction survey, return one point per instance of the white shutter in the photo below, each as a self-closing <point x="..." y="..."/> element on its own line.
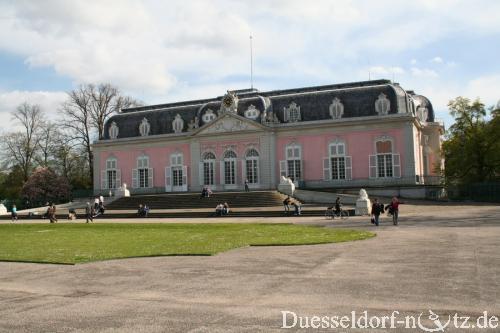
<point x="135" y="178"/>
<point x="348" y="167"/>
<point x="396" y="166"/>
<point x="200" y="173"/>
<point x="373" y="166"/>
<point x="235" y="163"/>
<point x="221" y="168"/>
<point x="150" y="177"/>
<point x="326" y="169"/>
<point x="302" y="171"/>
<point x="168" y="179"/>
<point x="104" y="179"/>
<point x="184" y="177"/>
<point x="118" y="178"/>
<point x="285" y="115"/>
<point x="283" y="169"/>
<point x="243" y="171"/>
<point x="257" y="171"/>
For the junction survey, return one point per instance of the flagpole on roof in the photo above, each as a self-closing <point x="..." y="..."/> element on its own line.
<point x="251" y="63"/>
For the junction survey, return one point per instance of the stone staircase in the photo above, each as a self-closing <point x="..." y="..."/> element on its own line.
<point x="193" y="200"/>
<point x="190" y="205"/>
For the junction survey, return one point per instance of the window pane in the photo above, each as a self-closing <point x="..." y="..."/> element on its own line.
<point x="340" y="149"/>
<point x="333" y="150"/>
<point x="384" y="147"/>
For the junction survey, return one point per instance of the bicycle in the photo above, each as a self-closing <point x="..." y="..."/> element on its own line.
<point x="330" y="213"/>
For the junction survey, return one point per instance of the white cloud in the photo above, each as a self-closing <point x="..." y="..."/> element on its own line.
<point x="437" y="60"/>
<point x="487" y="88"/>
<point x="49" y="103"/>
<point x="413" y="61"/>
<point x="423" y="72"/>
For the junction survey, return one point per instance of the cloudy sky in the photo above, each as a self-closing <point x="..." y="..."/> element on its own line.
<point x="166" y="51"/>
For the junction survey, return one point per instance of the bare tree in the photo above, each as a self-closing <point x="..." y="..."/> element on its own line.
<point x="86" y="111"/>
<point x="49" y="139"/>
<point x="106" y="100"/>
<point x="21" y="147"/>
<point x="77" y="120"/>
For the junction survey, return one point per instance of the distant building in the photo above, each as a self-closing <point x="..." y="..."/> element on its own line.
<point x="344" y="135"/>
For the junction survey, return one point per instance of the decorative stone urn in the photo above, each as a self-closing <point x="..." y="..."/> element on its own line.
<point x="363" y="204"/>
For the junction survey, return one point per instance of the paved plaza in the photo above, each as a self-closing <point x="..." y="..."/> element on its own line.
<point x="444" y="258"/>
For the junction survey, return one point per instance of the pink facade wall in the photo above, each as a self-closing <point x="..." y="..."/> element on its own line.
<point x="159" y="158"/>
<point x="359" y="145"/>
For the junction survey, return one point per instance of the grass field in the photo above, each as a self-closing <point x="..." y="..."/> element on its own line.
<point x="80" y="243"/>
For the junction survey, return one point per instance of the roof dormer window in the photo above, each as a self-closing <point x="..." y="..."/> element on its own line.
<point x="178" y="124"/>
<point x="208" y="116"/>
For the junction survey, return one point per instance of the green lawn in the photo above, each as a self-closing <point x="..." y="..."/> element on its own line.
<point x="79" y="243"/>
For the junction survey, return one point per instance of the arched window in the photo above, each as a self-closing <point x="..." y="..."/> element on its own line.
<point x="292" y="166"/>
<point x="111" y="175"/>
<point x="385" y="163"/>
<point x="142" y="176"/>
<point x="337" y="166"/>
<point x="292" y="113"/>
<point x="251" y="167"/>
<point x="207" y="166"/>
<point x="230" y="167"/>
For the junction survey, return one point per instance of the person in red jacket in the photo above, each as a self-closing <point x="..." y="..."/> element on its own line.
<point x="394" y="209"/>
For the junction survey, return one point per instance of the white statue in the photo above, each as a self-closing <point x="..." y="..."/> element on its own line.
<point x="3" y="209"/>
<point x="122" y="191"/>
<point x="363" y="204"/>
<point x="362" y="194"/>
<point x="286" y="186"/>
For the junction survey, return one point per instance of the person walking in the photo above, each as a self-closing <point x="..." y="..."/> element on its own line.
<point x="247" y="189"/>
<point x="338" y="206"/>
<point x="377" y="209"/>
<point x="89" y="214"/>
<point x="13" y="213"/>
<point x="53" y="218"/>
<point x="286" y="204"/>
<point x="394" y="207"/>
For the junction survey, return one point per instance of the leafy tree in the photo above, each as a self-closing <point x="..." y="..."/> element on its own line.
<point x="44" y="185"/>
<point x="471" y="148"/>
<point x="11" y="185"/>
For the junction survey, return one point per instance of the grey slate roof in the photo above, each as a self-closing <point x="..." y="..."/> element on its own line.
<point x="358" y="99"/>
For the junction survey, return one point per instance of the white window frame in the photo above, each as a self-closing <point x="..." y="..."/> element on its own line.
<point x="207" y="168"/>
<point x="229" y="169"/>
<point x="293" y="161"/>
<point x="111" y="168"/>
<point x="338" y="161"/>
<point x="172" y="173"/>
<point x="208" y="116"/>
<point x="384" y="164"/>
<point x="142" y="176"/>
<point x="251" y="167"/>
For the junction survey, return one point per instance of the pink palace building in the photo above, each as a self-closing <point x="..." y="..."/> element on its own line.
<point x="351" y="135"/>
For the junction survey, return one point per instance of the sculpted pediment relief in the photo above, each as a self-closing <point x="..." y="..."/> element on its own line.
<point x="228" y="124"/>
